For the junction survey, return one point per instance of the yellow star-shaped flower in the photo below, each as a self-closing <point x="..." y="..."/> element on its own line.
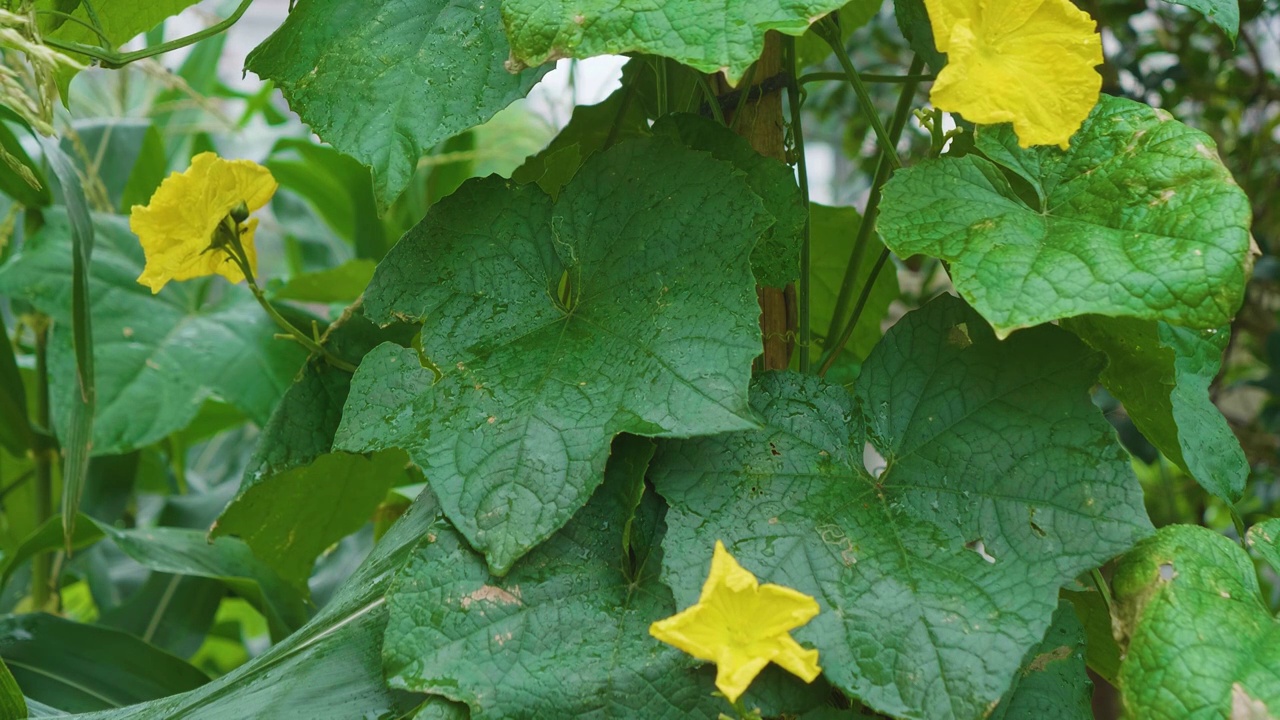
<point x="177" y="228"/>
<point x="741" y="626"/>
<point x="1027" y="62"/>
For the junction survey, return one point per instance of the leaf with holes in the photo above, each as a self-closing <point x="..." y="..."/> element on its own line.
<point x="708" y="35"/>
<point x="1199" y="640"/>
<point x="1002" y="481"/>
<point x="627" y="305"/>
<point x="386" y="80"/>
<point x="1138" y="219"/>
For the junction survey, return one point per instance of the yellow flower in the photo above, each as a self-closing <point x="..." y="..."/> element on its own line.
<point x="177" y="229"/>
<point x="741" y="626"/>
<point x="1028" y="62"/>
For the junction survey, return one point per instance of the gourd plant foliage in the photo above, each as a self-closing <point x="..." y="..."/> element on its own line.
<point x="565" y="365"/>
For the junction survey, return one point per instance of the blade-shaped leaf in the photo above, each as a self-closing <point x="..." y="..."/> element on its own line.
<point x="1001" y="481"/>
<point x="331" y="669"/>
<point x="1162" y="374"/>
<point x="180" y="551"/>
<point x="15" y="427"/>
<point x="1198" y="638"/>
<point x="385" y="80"/>
<point x="1138" y="218"/>
<point x="566" y="632"/>
<point x="159" y="356"/>
<point x="709" y="35"/>
<point x="628" y="305"/>
<point x="79" y="668"/>
<point x="171" y="612"/>
<point x="12" y="703"/>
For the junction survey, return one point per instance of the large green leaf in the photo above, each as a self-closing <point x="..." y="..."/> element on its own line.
<point x="119" y="20"/>
<point x="12" y="703"/>
<point x="1138" y="218"/>
<point x="157" y="356"/>
<point x="122" y="160"/>
<point x="709" y="35"/>
<point x="1052" y="683"/>
<point x="296" y="499"/>
<point x="171" y="612"/>
<point x="776" y="259"/>
<point x="566" y="632"/>
<point x="331" y="669"/>
<point x="1000" y="482"/>
<point x="628" y="305"/>
<point x="180" y="551"/>
<point x="15" y="427"/>
<point x="80" y="668"/>
<point x="385" y="80"/>
<point x="1162" y="374"/>
<point x="1199" y="640"/>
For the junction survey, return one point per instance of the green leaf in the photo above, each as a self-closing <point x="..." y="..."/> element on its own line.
<point x="47" y="538"/>
<point x="12" y="703"/>
<point x="812" y="49"/>
<point x="296" y="499"/>
<point x="342" y="283"/>
<point x="1102" y="653"/>
<point x="338" y="187"/>
<point x="564" y="634"/>
<point x="708" y="35"/>
<point x="1198" y="638"/>
<point x="1162" y="374"/>
<point x="626" y="306"/>
<point x="1223" y="13"/>
<point x="296" y="515"/>
<point x="180" y="551"/>
<point x="122" y="20"/>
<point x="913" y="22"/>
<point x="1264" y="538"/>
<point x="832" y="231"/>
<point x="385" y="80"/>
<point x="20" y="177"/>
<point x="171" y="612"/>
<point x="776" y="258"/>
<point x="81" y="668"/>
<point x="159" y="356"/>
<point x="331" y="669"/>
<point x="1052" y="683"/>
<point x="122" y="159"/>
<point x="1139" y="218"/>
<point x="1001" y="481"/>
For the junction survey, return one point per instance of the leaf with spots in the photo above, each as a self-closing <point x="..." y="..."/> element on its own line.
<point x="566" y="632"/>
<point x="1139" y="218"/>
<point x="157" y="358"/>
<point x="936" y="576"/>
<point x="627" y="305"/>
<point x="1199" y="640"/>
<point x="1162" y="373"/>
<point x="384" y="81"/>
<point x="708" y="35"/>
<point x="1052" y="683"/>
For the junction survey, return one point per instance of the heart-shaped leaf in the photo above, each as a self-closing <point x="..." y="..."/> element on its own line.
<point x="1000" y="481"/>
<point x="628" y="305"/>
<point x="1199" y="640"/>
<point x="1138" y="218"/>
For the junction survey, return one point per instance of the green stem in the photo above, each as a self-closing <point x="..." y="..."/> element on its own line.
<point x="797" y="136"/>
<point x="828" y="31"/>
<point x="1103" y="589"/>
<point x="867" y="77"/>
<point x="110" y="59"/>
<point x="236" y="250"/>
<point x="834" y="352"/>
<point x="41" y="581"/>
<point x="623" y="107"/>
<point x="896" y="125"/>
<point x="1239" y="523"/>
<point x="744" y="90"/>
<point x="712" y="100"/>
<point x="106" y="42"/>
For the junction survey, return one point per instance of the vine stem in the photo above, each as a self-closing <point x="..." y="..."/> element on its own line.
<point x="829" y="31"/>
<point x="867" y="225"/>
<point x="111" y="59"/>
<point x="834" y="353"/>
<point x="236" y="250"/>
<point x="1103" y="589"/>
<point x="794" y="102"/>
<point x="867" y="77"/>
